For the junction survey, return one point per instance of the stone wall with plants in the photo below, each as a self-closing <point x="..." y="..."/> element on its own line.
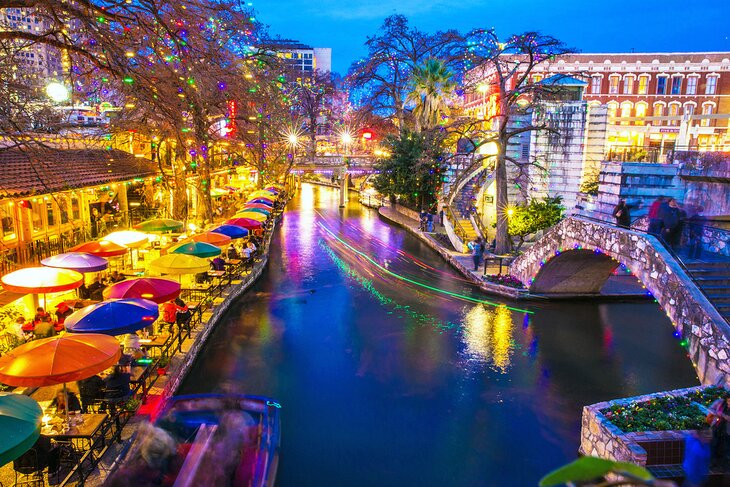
<point x="616" y="430"/>
<point x="704" y="332"/>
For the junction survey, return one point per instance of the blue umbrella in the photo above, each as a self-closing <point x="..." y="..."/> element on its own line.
<point x="232" y="231"/>
<point x="261" y="201"/>
<point x="113" y="317"/>
<point x="77" y="261"/>
<point x="20" y="422"/>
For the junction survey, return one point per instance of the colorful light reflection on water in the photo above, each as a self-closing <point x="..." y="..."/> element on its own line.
<point x="389" y="381"/>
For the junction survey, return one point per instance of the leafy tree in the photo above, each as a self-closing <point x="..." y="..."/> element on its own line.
<point x="432" y="87"/>
<point x="538" y="215"/>
<point x="503" y="74"/>
<point x="413" y="169"/>
<point x="382" y="78"/>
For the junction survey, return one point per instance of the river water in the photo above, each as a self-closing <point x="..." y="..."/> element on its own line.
<point x="390" y="372"/>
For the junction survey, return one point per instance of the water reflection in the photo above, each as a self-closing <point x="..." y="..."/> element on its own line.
<point x="488" y="335"/>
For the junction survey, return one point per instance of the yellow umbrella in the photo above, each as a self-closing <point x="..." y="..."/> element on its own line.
<point x="42" y="280"/>
<point x="127" y="238"/>
<point x="179" y="264"/>
<point x="259" y="217"/>
<point x="264" y="193"/>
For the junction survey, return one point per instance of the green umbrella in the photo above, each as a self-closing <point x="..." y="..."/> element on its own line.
<point x="20" y="422"/>
<point x="160" y="225"/>
<point x="198" y="249"/>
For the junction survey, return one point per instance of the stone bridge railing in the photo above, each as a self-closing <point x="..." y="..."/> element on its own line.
<point x="335" y="162"/>
<point x="577" y="256"/>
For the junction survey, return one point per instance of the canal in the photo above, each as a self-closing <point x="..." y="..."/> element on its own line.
<point x="390" y="372"/>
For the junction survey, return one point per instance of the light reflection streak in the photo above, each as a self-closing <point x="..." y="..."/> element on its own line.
<point x="488" y="335"/>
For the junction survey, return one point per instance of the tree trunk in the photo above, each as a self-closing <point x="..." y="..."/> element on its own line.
<point x="179" y="184"/>
<point x="502" y="201"/>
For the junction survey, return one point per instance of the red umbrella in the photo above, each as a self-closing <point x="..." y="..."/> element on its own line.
<point x="101" y="248"/>
<point x="155" y="289"/>
<point x="245" y="223"/>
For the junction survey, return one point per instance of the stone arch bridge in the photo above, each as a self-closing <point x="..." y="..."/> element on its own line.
<point x="577" y="256"/>
<point x="343" y="166"/>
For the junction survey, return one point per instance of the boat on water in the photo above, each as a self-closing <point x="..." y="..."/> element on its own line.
<point x="205" y="439"/>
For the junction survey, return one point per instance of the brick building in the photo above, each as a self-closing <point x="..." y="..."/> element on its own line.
<point x="655" y="100"/>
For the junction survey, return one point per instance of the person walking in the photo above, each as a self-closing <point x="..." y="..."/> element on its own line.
<point x="621" y="214"/>
<point x="671" y="220"/>
<point x="655" y="219"/>
<point x="477" y="249"/>
<point x="696" y="227"/>
<point x="429" y="222"/>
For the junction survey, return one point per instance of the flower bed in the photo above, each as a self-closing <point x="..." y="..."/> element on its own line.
<point x="504" y="280"/>
<point x="664" y="413"/>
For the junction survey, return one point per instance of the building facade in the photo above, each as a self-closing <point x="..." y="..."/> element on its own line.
<point x="302" y="57"/>
<point x="37" y="59"/>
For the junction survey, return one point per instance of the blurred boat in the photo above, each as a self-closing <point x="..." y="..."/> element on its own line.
<point x="206" y="439"/>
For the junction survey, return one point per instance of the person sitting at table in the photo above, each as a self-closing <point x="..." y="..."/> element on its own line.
<point x="44" y="327"/>
<point x="90" y="390"/>
<point x="202" y="278"/>
<point x="182" y="316"/>
<point x="232" y="252"/>
<point x="62" y="312"/>
<point x="218" y="264"/>
<point x="169" y="313"/>
<point x="116" y="277"/>
<point x="96" y="289"/>
<point x="59" y="402"/>
<point x="39" y="314"/>
<point x="132" y="347"/>
<point x="116" y="385"/>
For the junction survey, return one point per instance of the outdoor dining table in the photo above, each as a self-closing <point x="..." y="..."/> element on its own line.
<point x="218" y="274"/>
<point x="86" y="430"/>
<point x="139" y="376"/>
<point x="155" y="343"/>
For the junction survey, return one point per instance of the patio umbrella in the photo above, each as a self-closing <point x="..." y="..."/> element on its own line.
<point x="160" y="225"/>
<point x="198" y="249"/>
<point x="154" y="289"/>
<point x="217" y="239"/>
<point x="179" y="264"/>
<point x="263" y="194"/>
<point x="232" y="231"/>
<point x="100" y="248"/>
<point x="77" y="261"/>
<point x="252" y="215"/>
<point x="256" y="205"/>
<point x="274" y="190"/>
<point x="20" y="422"/>
<point x="60" y="359"/>
<point x="41" y="280"/>
<point x="246" y="223"/>
<point x="262" y="201"/>
<point x="115" y="317"/>
<point x="261" y="211"/>
<point x="127" y="238"/>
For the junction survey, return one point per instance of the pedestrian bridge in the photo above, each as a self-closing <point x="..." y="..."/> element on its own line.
<point x="351" y="164"/>
<point x="577" y="256"/>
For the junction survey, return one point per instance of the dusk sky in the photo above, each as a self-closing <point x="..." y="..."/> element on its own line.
<point x="663" y="26"/>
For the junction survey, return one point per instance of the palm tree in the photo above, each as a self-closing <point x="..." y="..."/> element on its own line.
<point x="431" y="87"/>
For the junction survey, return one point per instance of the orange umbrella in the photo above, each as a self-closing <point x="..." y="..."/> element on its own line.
<point x="60" y="359"/>
<point x="42" y="280"/>
<point x="101" y="248"/>
<point x="217" y="239"/>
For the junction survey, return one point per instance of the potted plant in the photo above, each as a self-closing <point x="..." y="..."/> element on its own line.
<point x="162" y="365"/>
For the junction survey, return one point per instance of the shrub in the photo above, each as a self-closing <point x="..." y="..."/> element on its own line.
<point x="504" y="280"/>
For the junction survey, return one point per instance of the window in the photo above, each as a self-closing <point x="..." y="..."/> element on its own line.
<point x="689" y="109"/>
<point x="36" y="214"/>
<point x="707" y="109"/>
<point x="596" y="85"/>
<point x="612" y="108"/>
<point x="692" y="85"/>
<point x="711" y="85"/>
<point x="640" y="112"/>
<point x="661" y="85"/>
<point x="628" y="85"/>
<point x="673" y="112"/>
<point x="50" y="214"/>
<point x="676" y="85"/>
<point x="625" y="111"/>
<point x="8" y="221"/>
<point x="659" y="111"/>
<point x="75" y="208"/>
<point x="613" y="85"/>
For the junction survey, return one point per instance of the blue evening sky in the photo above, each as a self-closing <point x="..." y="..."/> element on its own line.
<point x="589" y="26"/>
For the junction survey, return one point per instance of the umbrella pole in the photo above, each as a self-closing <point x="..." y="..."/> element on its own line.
<point x="65" y="398"/>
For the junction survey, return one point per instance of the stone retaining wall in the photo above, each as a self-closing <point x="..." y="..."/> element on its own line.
<point x="489" y="287"/>
<point x="706" y="332"/>
<point x="601" y="438"/>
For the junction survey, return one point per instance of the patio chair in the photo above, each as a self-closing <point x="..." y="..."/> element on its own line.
<point x="29" y="468"/>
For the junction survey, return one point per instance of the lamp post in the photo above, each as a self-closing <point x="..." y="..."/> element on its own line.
<point x="293" y="140"/>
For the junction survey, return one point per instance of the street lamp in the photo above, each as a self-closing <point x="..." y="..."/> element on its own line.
<point x="57" y="92"/>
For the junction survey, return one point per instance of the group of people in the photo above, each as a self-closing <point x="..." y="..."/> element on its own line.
<point x="667" y="220"/>
<point x="477" y="248"/>
<point x="95" y="290"/>
<point x="111" y="388"/>
<point x="42" y="325"/>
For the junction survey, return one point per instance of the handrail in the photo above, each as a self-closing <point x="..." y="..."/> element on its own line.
<point x="664" y="244"/>
<point x="458" y="229"/>
<point x="467" y="174"/>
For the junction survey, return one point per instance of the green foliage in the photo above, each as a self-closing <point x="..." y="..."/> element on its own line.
<point x="665" y="413"/>
<point x="432" y="86"/>
<point x="586" y="469"/>
<point x="589" y="187"/>
<point x="413" y="169"/>
<point x="537" y="215"/>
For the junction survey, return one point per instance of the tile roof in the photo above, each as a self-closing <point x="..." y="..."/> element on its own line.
<point x="39" y="171"/>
